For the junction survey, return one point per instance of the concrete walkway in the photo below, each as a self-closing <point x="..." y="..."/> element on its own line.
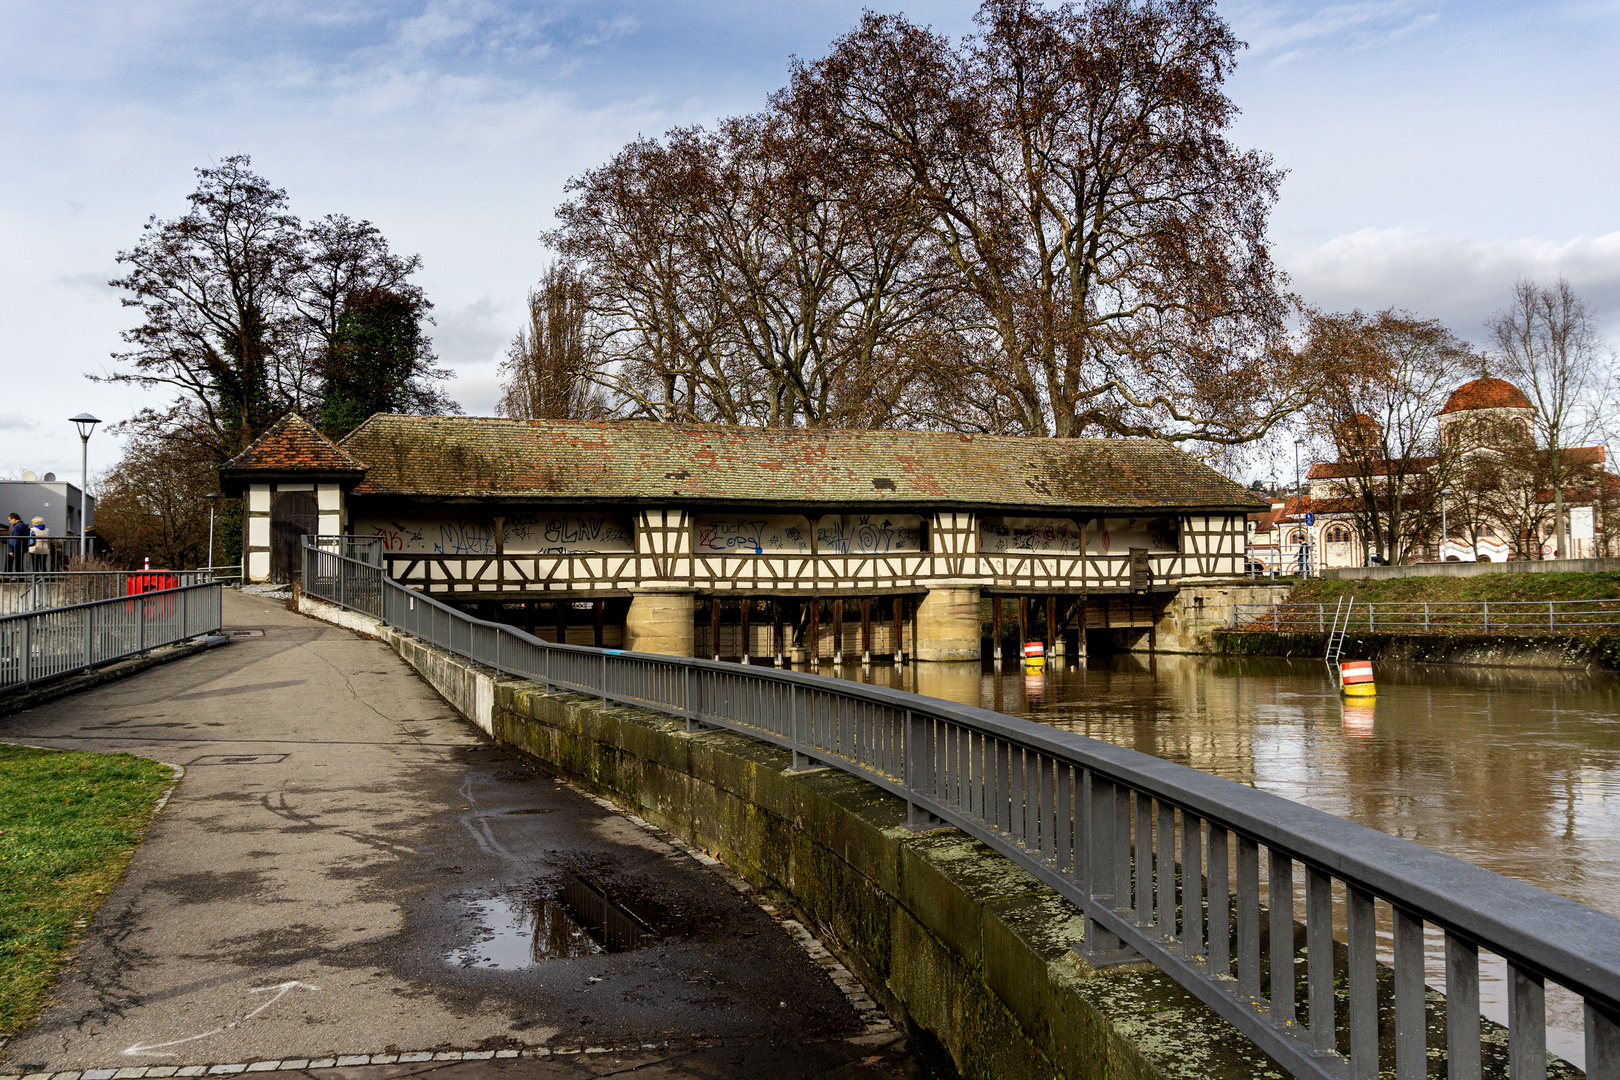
<point x="349" y="868"/>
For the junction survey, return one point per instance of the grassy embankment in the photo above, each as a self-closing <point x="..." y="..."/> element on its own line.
<point x="1493" y="587"/>
<point x="69" y="823"/>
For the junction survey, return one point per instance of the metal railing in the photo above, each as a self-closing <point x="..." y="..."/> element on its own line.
<point x="62" y="588"/>
<point x="40" y="645"/>
<point x="1448" y="617"/>
<point x="1165" y="861"/>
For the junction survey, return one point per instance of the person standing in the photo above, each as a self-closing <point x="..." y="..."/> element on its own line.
<point x="39" y="547"/>
<point x="14" y="545"/>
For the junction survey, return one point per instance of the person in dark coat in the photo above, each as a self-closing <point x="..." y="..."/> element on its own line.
<point x="14" y="545"/>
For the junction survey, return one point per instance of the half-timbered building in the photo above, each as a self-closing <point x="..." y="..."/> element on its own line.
<point x="725" y="540"/>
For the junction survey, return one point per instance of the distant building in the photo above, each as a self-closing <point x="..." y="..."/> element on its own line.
<point x="61" y="504"/>
<point x="1486" y="419"/>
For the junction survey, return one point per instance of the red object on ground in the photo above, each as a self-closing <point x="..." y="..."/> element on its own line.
<point x="144" y="581"/>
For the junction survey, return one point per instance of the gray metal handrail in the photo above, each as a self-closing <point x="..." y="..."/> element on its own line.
<point x="45" y="644"/>
<point x="1449" y="616"/>
<point x="1134" y="842"/>
<point x="34" y="591"/>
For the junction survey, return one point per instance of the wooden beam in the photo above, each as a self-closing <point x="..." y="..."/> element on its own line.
<point x="899" y="628"/>
<point x="838" y="630"/>
<point x="714" y="627"/>
<point x="995" y="627"/>
<point x="747" y="608"/>
<point x="1051" y="626"/>
<point x="866" y="630"/>
<point x="776" y="630"/>
<point x="813" y="645"/>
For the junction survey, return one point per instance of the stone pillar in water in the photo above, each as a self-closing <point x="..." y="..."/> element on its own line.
<point x="948" y="624"/>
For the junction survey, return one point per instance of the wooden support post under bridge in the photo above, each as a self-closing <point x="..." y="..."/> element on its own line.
<point x="747" y="609"/>
<point x="866" y="630"/>
<point x="599" y="605"/>
<point x="838" y="631"/>
<point x="1052" y="635"/>
<point x="899" y="627"/>
<point x="714" y="627"/>
<point x="813" y="637"/>
<point x="995" y="628"/>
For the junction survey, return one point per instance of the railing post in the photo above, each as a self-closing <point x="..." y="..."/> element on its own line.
<point x="26" y="668"/>
<point x="920" y="777"/>
<point x="140" y="623"/>
<point x="1425" y="616"/>
<point x="604" y="684"/>
<point x="1550" y="618"/>
<point x="185" y="614"/>
<point x="1487" y="616"/>
<point x="89" y="635"/>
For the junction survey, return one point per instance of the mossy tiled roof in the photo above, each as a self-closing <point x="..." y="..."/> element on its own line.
<point x="647" y="462"/>
<point x="292" y="444"/>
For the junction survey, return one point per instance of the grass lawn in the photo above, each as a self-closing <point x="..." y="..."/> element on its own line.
<point x="1603" y="586"/>
<point x="69" y="823"/>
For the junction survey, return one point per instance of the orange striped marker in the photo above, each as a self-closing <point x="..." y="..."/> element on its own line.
<point x="1356" y="679"/>
<point x="1035" y="654"/>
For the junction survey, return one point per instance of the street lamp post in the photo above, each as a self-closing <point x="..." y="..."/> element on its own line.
<point x="1300" y="557"/>
<point x="213" y="501"/>
<point x="86" y="424"/>
<point x="1445" y="532"/>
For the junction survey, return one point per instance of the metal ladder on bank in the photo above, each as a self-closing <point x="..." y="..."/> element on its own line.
<point x="1341" y="624"/>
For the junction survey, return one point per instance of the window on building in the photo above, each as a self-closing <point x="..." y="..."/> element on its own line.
<point x="1338" y="534"/>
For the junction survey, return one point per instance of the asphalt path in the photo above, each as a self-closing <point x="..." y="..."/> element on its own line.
<point x="349" y="867"/>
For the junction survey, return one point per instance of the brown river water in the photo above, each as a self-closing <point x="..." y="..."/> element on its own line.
<point x="1514" y="770"/>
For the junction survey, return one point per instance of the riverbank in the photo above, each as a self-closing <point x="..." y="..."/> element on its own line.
<point x="1501" y="650"/>
<point x="71" y="821"/>
<point x="1491" y="587"/>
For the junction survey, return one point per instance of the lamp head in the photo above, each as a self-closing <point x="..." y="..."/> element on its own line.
<point x="85" y="423"/>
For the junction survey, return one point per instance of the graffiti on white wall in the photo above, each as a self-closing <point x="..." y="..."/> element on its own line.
<point x="868" y="534"/>
<point x="527" y="533"/>
<point x="1032" y="536"/>
<point x="753" y="534"/>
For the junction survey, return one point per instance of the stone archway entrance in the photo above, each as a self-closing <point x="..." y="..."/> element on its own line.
<point x="293" y="515"/>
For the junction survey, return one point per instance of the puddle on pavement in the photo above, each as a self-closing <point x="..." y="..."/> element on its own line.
<point x="519" y="932"/>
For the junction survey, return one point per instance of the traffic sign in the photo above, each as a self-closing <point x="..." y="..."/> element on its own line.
<point x="1310" y="517"/>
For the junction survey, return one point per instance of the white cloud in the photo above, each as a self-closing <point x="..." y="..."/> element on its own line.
<point x="1457" y="279"/>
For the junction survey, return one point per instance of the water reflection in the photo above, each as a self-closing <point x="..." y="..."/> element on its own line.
<point x="1517" y="771"/>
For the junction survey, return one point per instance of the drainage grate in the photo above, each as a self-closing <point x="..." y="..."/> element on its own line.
<point x="608" y="924"/>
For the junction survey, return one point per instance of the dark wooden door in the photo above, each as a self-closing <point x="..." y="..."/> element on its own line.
<point x="292" y="516"/>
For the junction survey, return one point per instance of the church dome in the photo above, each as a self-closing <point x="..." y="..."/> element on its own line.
<point x="1486" y="394"/>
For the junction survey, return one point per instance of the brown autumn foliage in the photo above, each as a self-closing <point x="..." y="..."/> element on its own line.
<point x="1042" y="228"/>
<point x="153" y="504"/>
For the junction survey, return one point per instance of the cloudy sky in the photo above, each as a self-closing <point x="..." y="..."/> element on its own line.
<point x="1435" y="151"/>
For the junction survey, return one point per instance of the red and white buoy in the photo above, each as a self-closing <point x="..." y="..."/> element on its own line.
<point x="1034" y="654"/>
<point x="1356" y="678"/>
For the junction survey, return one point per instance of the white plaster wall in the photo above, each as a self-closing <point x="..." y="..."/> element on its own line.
<point x="258" y="565"/>
<point x="328" y="499"/>
<point x="258" y="532"/>
<point x="259" y="499"/>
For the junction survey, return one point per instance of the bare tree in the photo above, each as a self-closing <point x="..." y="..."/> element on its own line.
<point x="1387" y="376"/>
<point x="245" y="314"/>
<point x="551" y="365"/>
<point x="1075" y="168"/>
<point x="212" y="288"/>
<point x="1548" y="345"/>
